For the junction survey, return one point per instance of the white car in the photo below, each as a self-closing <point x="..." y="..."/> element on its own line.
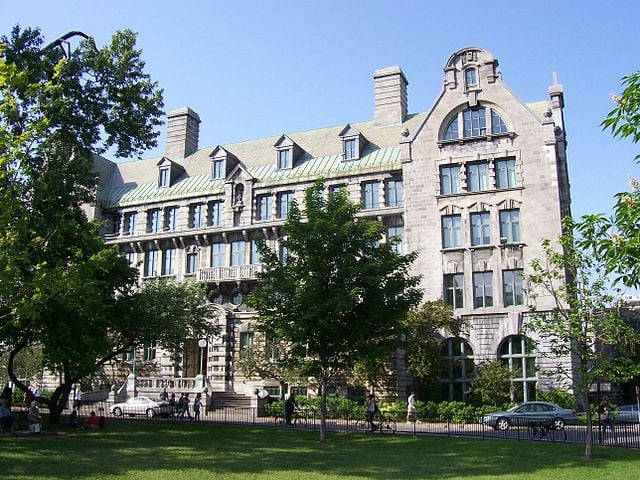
<point x="140" y="406"/>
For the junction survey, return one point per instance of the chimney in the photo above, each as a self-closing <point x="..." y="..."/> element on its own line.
<point x="390" y="96"/>
<point x="183" y="129"/>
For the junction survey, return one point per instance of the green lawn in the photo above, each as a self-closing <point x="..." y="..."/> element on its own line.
<point x="185" y="451"/>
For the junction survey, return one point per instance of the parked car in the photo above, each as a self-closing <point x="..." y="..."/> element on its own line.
<point x="627" y="414"/>
<point x="529" y="412"/>
<point x="141" y="406"/>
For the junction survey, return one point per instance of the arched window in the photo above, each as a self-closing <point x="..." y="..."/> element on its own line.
<point x="517" y="352"/>
<point x="451" y="133"/>
<point x="476" y="122"/>
<point x="458" y="370"/>
<point x="497" y="124"/>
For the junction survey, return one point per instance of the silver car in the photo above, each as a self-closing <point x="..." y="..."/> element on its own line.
<point x="628" y="414"/>
<point x="527" y="413"/>
<point x="140" y="406"/>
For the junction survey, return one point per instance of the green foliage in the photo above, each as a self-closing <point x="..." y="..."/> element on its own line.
<point x="624" y="119"/>
<point x="492" y="384"/>
<point x="339" y="296"/>
<point x="560" y="397"/>
<point x="423" y="327"/>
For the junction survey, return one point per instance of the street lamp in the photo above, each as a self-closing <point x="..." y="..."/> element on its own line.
<point x="202" y="343"/>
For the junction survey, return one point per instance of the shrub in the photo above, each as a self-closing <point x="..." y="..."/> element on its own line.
<point x="560" y="397"/>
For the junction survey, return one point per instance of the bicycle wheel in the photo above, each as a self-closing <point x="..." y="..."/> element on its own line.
<point x="362" y="426"/>
<point x="535" y="432"/>
<point x="388" y="426"/>
<point x="300" y="422"/>
<point x="278" y="420"/>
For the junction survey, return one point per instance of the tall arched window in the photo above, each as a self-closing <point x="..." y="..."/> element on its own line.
<point x="517" y="352"/>
<point x="476" y="122"/>
<point x="458" y="370"/>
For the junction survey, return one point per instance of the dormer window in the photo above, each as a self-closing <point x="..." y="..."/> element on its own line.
<point x="352" y="143"/>
<point x="284" y="159"/>
<point x="470" y="78"/>
<point x="217" y="169"/>
<point x="350" y="149"/>
<point x="164" y="177"/>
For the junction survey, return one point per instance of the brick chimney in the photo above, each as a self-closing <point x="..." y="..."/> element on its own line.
<point x="390" y="96"/>
<point x="183" y="130"/>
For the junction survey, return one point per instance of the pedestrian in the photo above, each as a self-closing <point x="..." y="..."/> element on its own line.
<point x="606" y="419"/>
<point x="197" y="404"/>
<point x="289" y="407"/>
<point x="34" y="418"/>
<point x="372" y="409"/>
<point x="172" y="404"/>
<point x="77" y="398"/>
<point x="411" y="408"/>
<point x="164" y="395"/>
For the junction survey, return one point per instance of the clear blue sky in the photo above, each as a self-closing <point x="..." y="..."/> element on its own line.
<point x="253" y="69"/>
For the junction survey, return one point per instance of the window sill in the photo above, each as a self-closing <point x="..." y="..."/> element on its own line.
<point x="463" y="140"/>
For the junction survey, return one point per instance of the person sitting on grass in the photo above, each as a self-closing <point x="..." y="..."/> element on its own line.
<point x="6" y="419"/>
<point x="93" y="421"/>
<point x="72" y="420"/>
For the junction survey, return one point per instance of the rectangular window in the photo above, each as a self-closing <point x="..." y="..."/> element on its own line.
<point x="163" y="179"/>
<point x="216" y="211"/>
<point x="130" y="257"/>
<point x="284" y="253"/>
<point x="168" y="261"/>
<point x="394" y="194"/>
<point x="477" y="174"/>
<point x="480" y="228"/>
<point x="284" y="159"/>
<point x="256" y="258"/>
<point x="263" y="207"/>
<point x="151" y="263"/>
<point x="217" y="254"/>
<point x="512" y="287"/>
<point x="246" y="340"/>
<point x="350" y="149"/>
<point x="370" y="195"/>
<point x="149" y="351"/>
<point x="197" y="215"/>
<point x="192" y="263"/>
<point x="510" y="226"/>
<point x="153" y="220"/>
<point x="237" y="253"/>
<point x="482" y="289"/>
<point x="449" y="179"/>
<point x="454" y="290"/>
<point x="334" y="189"/>
<point x="130" y="223"/>
<point x="475" y="122"/>
<point x="217" y="169"/>
<point x="451" y="231"/>
<point x="398" y="233"/>
<point x="470" y="78"/>
<point x="506" y="173"/>
<point x="171" y="218"/>
<point x="284" y="204"/>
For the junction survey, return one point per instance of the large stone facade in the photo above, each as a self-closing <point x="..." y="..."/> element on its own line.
<point x="473" y="185"/>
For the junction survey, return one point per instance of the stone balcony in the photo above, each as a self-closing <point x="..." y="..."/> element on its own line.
<point x="233" y="273"/>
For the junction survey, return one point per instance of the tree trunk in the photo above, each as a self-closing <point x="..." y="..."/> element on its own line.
<point x="588" y="444"/>
<point x="323" y="411"/>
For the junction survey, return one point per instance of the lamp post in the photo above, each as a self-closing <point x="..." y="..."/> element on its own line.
<point x="202" y="343"/>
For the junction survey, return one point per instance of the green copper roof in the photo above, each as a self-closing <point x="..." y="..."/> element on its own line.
<point x="267" y="175"/>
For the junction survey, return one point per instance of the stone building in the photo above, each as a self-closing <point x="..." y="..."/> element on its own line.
<point x="473" y="184"/>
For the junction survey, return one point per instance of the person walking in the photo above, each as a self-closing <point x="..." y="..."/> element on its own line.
<point x="197" y="404"/>
<point x="289" y="407"/>
<point x="606" y="419"/>
<point x="372" y="409"/>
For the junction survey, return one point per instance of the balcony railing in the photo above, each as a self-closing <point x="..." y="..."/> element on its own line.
<point x="233" y="273"/>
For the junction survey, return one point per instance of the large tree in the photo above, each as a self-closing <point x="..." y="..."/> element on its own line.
<point x="616" y="238"/>
<point x="61" y="288"/>
<point x="336" y="294"/>
<point x="584" y="336"/>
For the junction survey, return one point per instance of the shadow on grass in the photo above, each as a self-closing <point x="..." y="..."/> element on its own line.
<point x="158" y="450"/>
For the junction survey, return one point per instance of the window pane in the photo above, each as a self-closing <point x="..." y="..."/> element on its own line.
<point x="480" y="229"/>
<point x="506" y="173"/>
<point x="192" y="262"/>
<point x="510" y="225"/>
<point x="350" y="149"/>
<point x="217" y="169"/>
<point x="237" y="253"/>
<point x="470" y="77"/>
<point x="370" y="195"/>
<point x="451" y="132"/>
<point x="477" y="174"/>
<point x="512" y="287"/>
<point x="263" y="207"/>
<point x="168" y="261"/>
<point x="284" y="159"/>
<point x="394" y="195"/>
<point x="396" y="232"/>
<point x="284" y="204"/>
<point x="454" y="290"/>
<point x="475" y="123"/>
<point x="216" y="210"/>
<point x="450" y="179"/>
<point x="450" y="231"/>
<point x="151" y="263"/>
<point x="482" y="290"/>
<point x="217" y="254"/>
<point x="497" y="124"/>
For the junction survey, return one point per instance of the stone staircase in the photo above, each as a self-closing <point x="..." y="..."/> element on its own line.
<point x="221" y="400"/>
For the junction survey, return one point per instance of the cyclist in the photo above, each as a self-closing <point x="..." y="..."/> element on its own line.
<point x="372" y="409"/>
<point x="289" y="407"/>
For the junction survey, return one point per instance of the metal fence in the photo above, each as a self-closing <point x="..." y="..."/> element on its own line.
<point x="529" y="429"/>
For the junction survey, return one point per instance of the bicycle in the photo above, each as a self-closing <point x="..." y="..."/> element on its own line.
<point x="383" y="424"/>
<point x="546" y="429"/>
<point x="298" y="420"/>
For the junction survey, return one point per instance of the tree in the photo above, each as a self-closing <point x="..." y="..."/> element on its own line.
<point x="584" y="335"/>
<point x="492" y="383"/>
<point x="616" y="238"/>
<point x="60" y="287"/>
<point x="424" y="327"/>
<point x="337" y="296"/>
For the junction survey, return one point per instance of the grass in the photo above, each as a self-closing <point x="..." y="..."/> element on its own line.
<point x="140" y="450"/>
